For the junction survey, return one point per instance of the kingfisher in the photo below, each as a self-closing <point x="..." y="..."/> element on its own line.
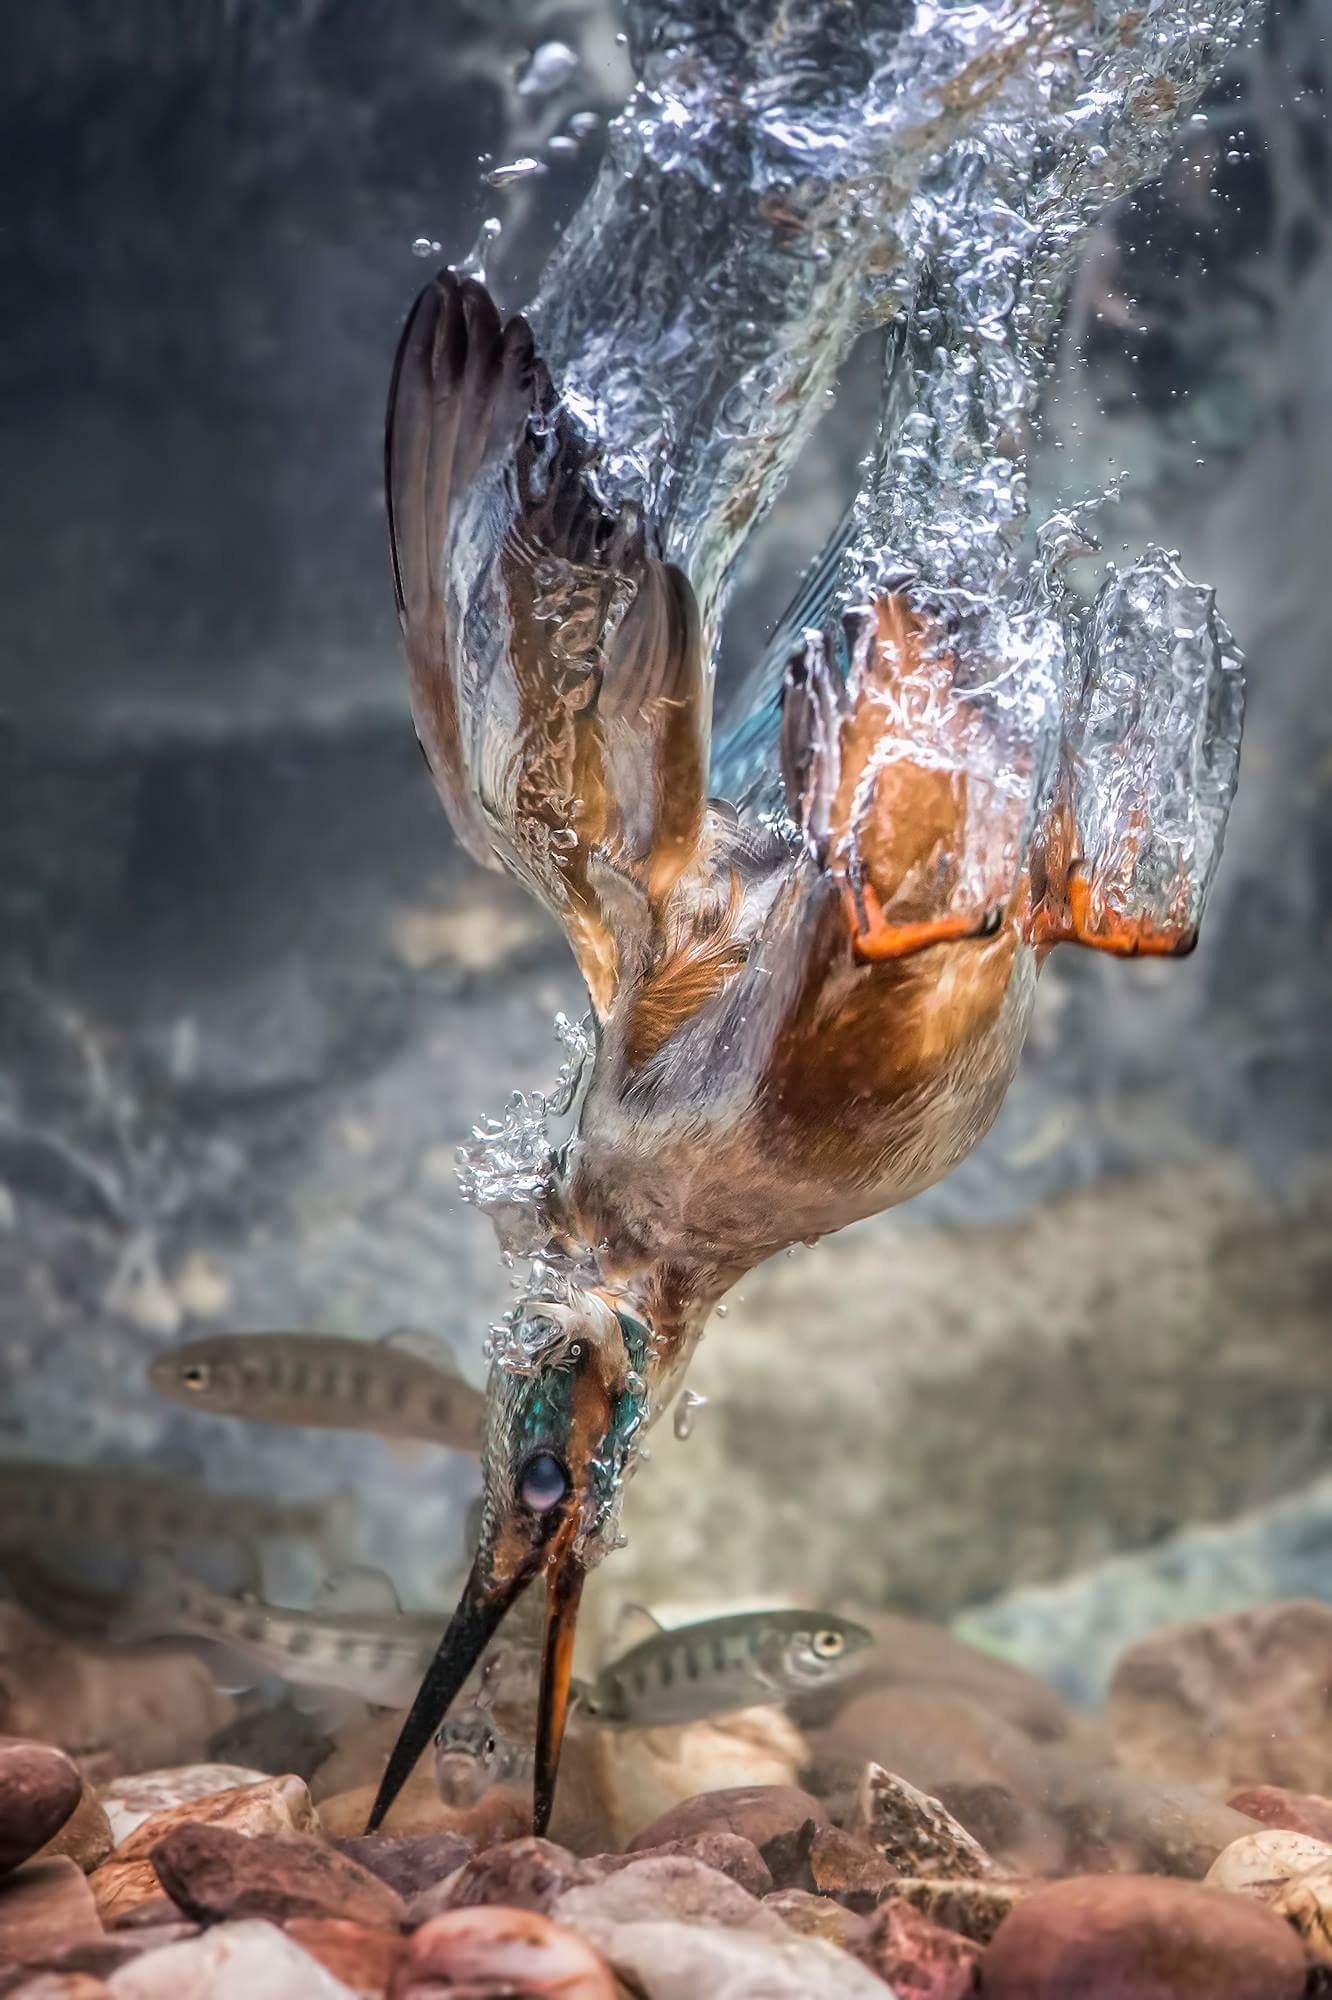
<point x="806" y="1002"/>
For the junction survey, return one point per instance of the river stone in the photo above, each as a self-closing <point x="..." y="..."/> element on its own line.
<point x="244" y="1961"/>
<point x="729" y="1853"/>
<point x="758" y="1813"/>
<point x="527" y="1874"/>
<point x="914" y="1833"/>
<point x="1261" y="1864"/>
<point x="502" y="1951"/>
<point x="408" y="1863"/>
<point x="974" y="1910"/>
<point x="213" y="1873"/>
<point x="128" y="1802"/>
<point x="1298" y="1812"/>
<point x="362" y="1957"/>
<point x="814" y="1916"/>
<point x="127" y="1880"/>
<point x="86" y="1837"/>
<point x="918" y="1959"/>
<point x="1239" y="1700"/>
<point x="1136" y="1937"/>
<point x="45" y="1905"/>
<point x="39" y="1790"/>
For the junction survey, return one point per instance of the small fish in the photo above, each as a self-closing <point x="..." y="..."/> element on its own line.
<point x="473" y="1752"/>
<point x="43" y="1502"/>
<point x="376" y="1652"/>
<point x="397" y="1388"/>
<point x="740" y="1661"/>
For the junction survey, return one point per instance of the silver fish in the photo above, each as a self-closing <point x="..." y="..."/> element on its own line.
<point x="394" y="1390"/>
<point x="376" y="1655"/>
<point x="740" y="1661"/>
<point x="473" y="1752"/>
<point x="42" y="1502"/>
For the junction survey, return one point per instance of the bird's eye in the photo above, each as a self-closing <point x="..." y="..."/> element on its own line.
<point x="195" y="1376"/>
<point x="828" y="1644"/>
<point x="542" y="1483"/>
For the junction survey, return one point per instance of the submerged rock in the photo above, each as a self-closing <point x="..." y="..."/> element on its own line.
<point x="130" y="1801"/>
<point x="527" y="1874"/>
<point x="44" y="1905"/>
<point x="625" y="1779"/>
<point x="1306" y="1904"/>
<point x="245" y="1961"/>
<point x="830" y="1862"/>
<point x="409" y="1863"/>
<point x="1298" y="1812"/>
<point x="502" y="1951"/>
<point x="212" y="1873"/>
<point x="112" y="1711"/>
<point x="127" y="1880"/>
<point x="729" y="1853"/>
<point x="39" y="1790"/>
<point x="810" y="1915"/>
<point x="1240" y="1700"/>
<point x="1260" y="1864"/>
<point x="974" y="1910"/>
<point x="919" y="1959"/>
<point x="363" y="1958"/>
<point x="914" y="1833"/>
<point x="759" y="1813"/>
<point x="86" y="1836"/>
<point x="1118" y="1821"/>
<point x="1106" y="1937"/>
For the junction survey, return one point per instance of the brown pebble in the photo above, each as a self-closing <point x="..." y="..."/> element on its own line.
<point x="504" y="1951"/>
<point x="44" y="1905"/>
<point x="527" y="1874"/>
<point x="913" y="1832"/>
<point x="1141" y="1937"/>
<point x="363" y="1958"/>
<point x="759" y="1813"/>
<point x="409" y="1863"/>
<point x="39" y="1789"/>
<point x="86" y="1837"/>
<point x="1296" y="1812"/>
<point x="729" y="1853"/>
<point x="814" y="1916"/>
<point x="919" y="1959"/>
<point x="213" y="1873"/>
<point x="974" y="1910"/>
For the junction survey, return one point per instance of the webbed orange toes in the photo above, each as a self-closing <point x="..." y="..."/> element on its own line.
<point x="1081" y="917"/>
<point x="875" y="939"/>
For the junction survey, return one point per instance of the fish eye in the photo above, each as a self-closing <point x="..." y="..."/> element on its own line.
<point x="542" y="1483"/>
<point x="827" y="1645"/>
<point x="195" y="1376"/>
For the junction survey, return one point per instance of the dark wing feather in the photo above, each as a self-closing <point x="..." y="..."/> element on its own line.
<point x="554" y="660"/>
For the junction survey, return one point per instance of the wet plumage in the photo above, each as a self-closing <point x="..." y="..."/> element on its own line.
<point x="808" y="997"/>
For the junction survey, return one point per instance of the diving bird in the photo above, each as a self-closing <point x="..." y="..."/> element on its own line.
<point x="807" y="1003"/>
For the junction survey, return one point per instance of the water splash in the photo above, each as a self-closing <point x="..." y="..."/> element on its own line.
<point x="687" y="1406"/>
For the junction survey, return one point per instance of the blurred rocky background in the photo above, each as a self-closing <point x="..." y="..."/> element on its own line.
<point x="251" y="995"/>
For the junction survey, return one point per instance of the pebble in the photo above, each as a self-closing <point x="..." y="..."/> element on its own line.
<point x="128" y="1802"/>
<point x="246" y="1961"/>
<point x="673" y="1886"/>
<point x="817" y="1917"/>
<point x="1105" y="1937"/>
<point x="86" y="1837"/>
<point x="914" y="1833"/>
<point x="363" y="1958"/>
<point x="1298" y="1812"/>
<point x="213" y="1873"/>
<point x="918" y="1959"/>
<point x="758" y="1813"/>
<point x="527" y="1874"/>
<point x="1237" y="1700"/>
<point x="127" y="1880"/>
<point x="1120" y="1822"/>
<point x="1306" y="1905"/>
<point x="39" y="1790"/>
<point x="499" y="1815"/>
<point x="58" y="1986"/>
<point x="116" y="1710"/>
<point x="729" y="1853"/>
<point x="45" y="1905"/>
<point x="1259" y="1864"/>
<point x="504" y="1951"/>
<point x="974" y="1910"/>
<point x="104" y="1954"/>
<point x="411" y="1863"/>
<point x="830" y="1862"/>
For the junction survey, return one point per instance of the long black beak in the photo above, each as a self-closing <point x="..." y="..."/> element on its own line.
<point x="481" y="1608"/>
<point x="564" y="1589"/>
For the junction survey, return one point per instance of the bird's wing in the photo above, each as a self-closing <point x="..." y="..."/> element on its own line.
<point x="554" y="660"/>
<point x="745" y="765"/>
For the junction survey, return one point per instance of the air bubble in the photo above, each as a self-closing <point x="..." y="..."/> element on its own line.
<point x="524" y="168"/>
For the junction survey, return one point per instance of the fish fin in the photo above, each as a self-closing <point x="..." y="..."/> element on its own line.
<point x="424" y="1345"/>
<point x="634" y="1624"/>
<point x="359" y="1588"/>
